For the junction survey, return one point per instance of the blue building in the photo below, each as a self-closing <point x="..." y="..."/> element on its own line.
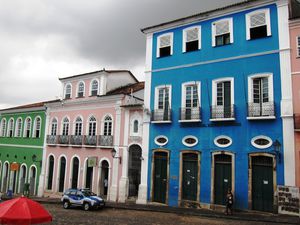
<point x="218" y="97"/>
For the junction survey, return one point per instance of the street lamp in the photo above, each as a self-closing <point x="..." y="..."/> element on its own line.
<point x="113" y="153"/>
<point x="34" y="159"/>
<point x="277" y="147"/>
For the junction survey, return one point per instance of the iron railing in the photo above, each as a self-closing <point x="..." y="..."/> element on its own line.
<point x="63" y="139"/>
<point x="106" y="140"/>
<point x="161" y="115"/>
<point x="76" y="139"/>
<point x="52" y="139"/>
<point x="90" y="140"/>
<point x="190" y="113"/>
<point x="261" y="109"/>
<point x="297" y="121"/>
<point x="222" y="112"/>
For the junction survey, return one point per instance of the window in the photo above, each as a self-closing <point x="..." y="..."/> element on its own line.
<point x="258" y="24"/>
<point x="191" y="39"/>
<point x="78" y="127"/>
<point x="18" y="127"/>
<point x="222" y="32"/>
<point x="191" y="95"/>
<point x="10" y="129"/>
<point x="54" y="127"/>
<point x="80" y="91"/>
<point x="50" y="172"/>
<point x="94" y="88"/>
<point x="92" y="126"/>
<point x="27" y="128"/>
<point x="136" y="126"/>
<point x="161" y="140"/>
<point x="65" y="130"/>
<point x="190" y="141"/>
<point x="163" y="98"/>
<point x="3" y="127"/>
<point x="260" y="96"/>
<point x="107" y="131"/>
<point x="68" y="90"/>
<point x="37" y="127"/>
<point x="261" y="142"/>
<point x="165" y="45"/>
<point x="223" y="141"/>
<point x="298" y="46"/>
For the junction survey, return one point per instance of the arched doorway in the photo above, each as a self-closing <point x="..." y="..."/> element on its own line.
<point x="104" y="181"/>
<point x="50" y="172"/>
<point x="5" y="177"/>
<point x="75" y="170"/>
<point x="22" y="178"/>
<point x="32" y="180"/>
<point x="62" y="174"/>
<point x="134" y="169"/>
<point x="88" y="175"/>
<point x="13" y="181"/>
<point x="0" y="175"/>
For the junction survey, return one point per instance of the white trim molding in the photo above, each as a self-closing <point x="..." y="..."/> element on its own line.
<point x="184" y="36"/>
<point x="261" y="146"/>
<point x="159" y="40"/>
<point x="222" y="145"/>
<point x="214" y="30"/>
<point x="161" y="144"/>
<point x="187" y="144"/>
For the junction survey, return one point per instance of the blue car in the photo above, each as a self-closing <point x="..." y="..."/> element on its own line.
<point x="81" y="197"/>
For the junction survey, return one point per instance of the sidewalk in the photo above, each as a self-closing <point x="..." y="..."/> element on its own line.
<point x="239" y="215"/>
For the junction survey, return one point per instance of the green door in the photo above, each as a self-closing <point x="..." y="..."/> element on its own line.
<point x="222" y="181"/>
<point x="190" y="176"/>
<point x="160" y="177"/>
<point x="262" y="183"/>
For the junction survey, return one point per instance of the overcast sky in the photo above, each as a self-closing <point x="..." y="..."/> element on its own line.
<point x="42" y="40"/>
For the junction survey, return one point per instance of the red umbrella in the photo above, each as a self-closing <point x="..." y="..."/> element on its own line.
<point x="23" y="211"/>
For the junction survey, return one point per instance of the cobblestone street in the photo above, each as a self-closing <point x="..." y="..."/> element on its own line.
<point x="109" y="216"/>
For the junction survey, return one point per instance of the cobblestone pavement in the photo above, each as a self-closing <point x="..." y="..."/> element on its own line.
<point x="109" y="216"/>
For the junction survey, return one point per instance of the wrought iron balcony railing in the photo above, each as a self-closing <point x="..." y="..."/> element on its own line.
<point x="106" y="140"/>
<point x="76" y="139"/>
<point x="222" y="112"/>
<point x="161" y="115"/>
<point x="51" y="139"/>
<point x="297" y="121"/>
<point x="191" y="113"/>
<point x="261" y="109"/>
<point x="90" y="140"/>
<point x="63" y="139"/>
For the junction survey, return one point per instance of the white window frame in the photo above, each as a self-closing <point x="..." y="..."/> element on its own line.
<point x="189" y="145"/>
<point x="161" y="144"/>
<point x="183" y="92"/>
<point x="298" y="46"/>
<point x="35" y="125"/>
<point x="184" y="32"/>
<point x="214" y="89"/>
<point x="62" y="125"/>
<point x="138" y="133"/>
<point x="158" y="43"/>
<point x="261" y="146"/>
<point x="270" y="85"/>
<point x="157" y="92"/>
<point x="18" y="129"/>
<point x="88" y="125"/>
<point x="25" y="127"/>
<point x="103" y="124"/>
<point x="77" y="90"/>
<point x="3" y="131"/>
<point x="213" y="30"/>
<point x="225" y="137"/>
<point x="10" y="127"/>
<point x="74" y="126"/>
<point x="52" y="124"/>
<point x="268" y="21"/>
<point x="91" y="86"/>
<point x="65" y="90"/>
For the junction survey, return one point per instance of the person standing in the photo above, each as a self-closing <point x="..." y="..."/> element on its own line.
<point x="229" y="202"/>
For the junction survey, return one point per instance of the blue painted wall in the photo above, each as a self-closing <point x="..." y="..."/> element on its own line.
<point x="245" y="130"/>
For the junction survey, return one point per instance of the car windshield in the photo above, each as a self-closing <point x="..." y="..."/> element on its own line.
<point x="88" y="193"/>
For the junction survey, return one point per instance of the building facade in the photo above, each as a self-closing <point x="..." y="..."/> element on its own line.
<point x="21" y="147"/>
<point x="218" y="105"/>
<point x="94" y="135"/>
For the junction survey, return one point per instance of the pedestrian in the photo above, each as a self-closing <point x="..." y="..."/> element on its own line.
<point x="105" y="186"/>
<point x="229" y="201"/>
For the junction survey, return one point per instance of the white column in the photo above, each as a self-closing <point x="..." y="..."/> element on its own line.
<point x="115" y="168"/>
<point x="142" y="197"/>
<point x="286" y="90"/>
<point x="124" y="182"/>
<point x="43" y="169"/>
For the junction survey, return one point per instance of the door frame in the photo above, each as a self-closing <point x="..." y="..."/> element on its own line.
<point x="152" y="174"/>
<point x="99" y="186"/>
<point x="58" y="166"/>
<point x="250" y="155"/>
<point x="212" y="186"/>
<point x="23" y="165"/>
<point x="181" y="176"/>
<point x="35" y="179"/>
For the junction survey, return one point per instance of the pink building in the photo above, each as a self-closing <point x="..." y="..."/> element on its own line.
<point x="95" y="136"/>
<point x="295" y="61"/>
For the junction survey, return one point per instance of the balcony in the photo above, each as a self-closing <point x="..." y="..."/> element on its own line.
<point x="191" y="114"/>
<point x="51" y="139"/>
<point x="76" y="139"/>
<point x="161" y="116"/>
<point x="261" y="111"/>
<point x="90" y="140"/>
<point x="297" y="122"/>
<point x="222" y="113"/>
<point x="106" y="140"/>
<point x="63" y="139"/>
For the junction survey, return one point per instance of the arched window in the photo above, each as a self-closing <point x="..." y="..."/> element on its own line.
<point x="107" y="131"/>
<point x="54" y="127"/>
<point x="92" y="126"/>
<point x="27" y="128"/>
<point x="37" y="127"/>
<point x="65" y="130"/>
<point x="50" y="172"/>
<point x="135" y="127"/>
<point x="18" y="127"/>
<point x="78" y="126"/>
<point x="10" y="128"/>
<point x="68" y="90"/>
<point x="80" y="92"/>
<point x="94" y="88"/>
<point x="3" y="127"/>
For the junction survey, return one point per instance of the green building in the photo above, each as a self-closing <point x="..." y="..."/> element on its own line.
<point x="22" y="132"/>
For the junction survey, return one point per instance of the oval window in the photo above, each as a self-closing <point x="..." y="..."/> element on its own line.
<point x="189" y="141"/>
<point x="161" y="140"/>
<point x="223" y="141"/>
<point x="261" y="142"/>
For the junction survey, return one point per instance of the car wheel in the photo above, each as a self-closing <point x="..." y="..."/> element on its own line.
<point x="66" y="204"/>
<point x="86" y="206"/>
